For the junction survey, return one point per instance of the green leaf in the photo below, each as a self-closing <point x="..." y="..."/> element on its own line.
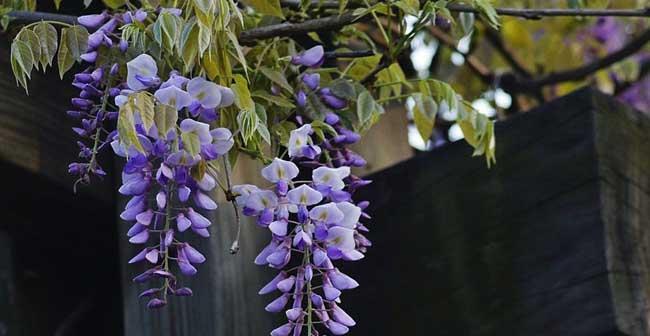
<point x="365" y="107"/>
<point x="48" y="42"/>
<point x="261" y="128"/>
<point x="191" y="143"/>
<point x="240" y="53"/>
<point x="487" y="10"/>
<point x="166" y="30"/>
<point x="243" y="98"/>
<point x="277" y="78"/>
<point x="165" y="118"/>
<point x="189" y="44"/>
<point x="126" y="127"/>
<point x="362" y="66"/>
<point x="32" y="40"/>
<point x="65" y="59"/>
<point x="424" y="115"/>
<point x="411" y="7"/>
<point x="57" y="4"/>
<point x="21" y="62"/>
<point x="342" y="88"/>
<point x="114" y="4"/>
<point x="321" y="125"/>
<point x="205" y="6"/>
<point x="277" y="100"/>
<point x="76" y="39"/>
<point x="247" y="120"/>
<point x="22" y="53"/>
<point x="283" y="131"/>
<point x="267" y="7"/>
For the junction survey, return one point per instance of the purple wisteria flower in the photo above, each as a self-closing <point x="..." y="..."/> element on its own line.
<point x="313" y="223"/>
<point x="170" y="193"/>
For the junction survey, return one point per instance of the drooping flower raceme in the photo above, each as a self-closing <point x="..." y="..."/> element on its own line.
<point x="313" y="223"/>
<point x="165" y="177"/>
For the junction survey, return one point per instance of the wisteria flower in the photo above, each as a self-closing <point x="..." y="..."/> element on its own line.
<point x="280" y="170"/>
<point x="173" y="96"/>
<point x="331" y="177"/>
<point x="204" y="93"/>
<point x="142" y="73"/>
<point x="202" y="130"/>
<point x="304" y="195"/>
<point x="301" y="144"/>
<point x="313" y="57"/>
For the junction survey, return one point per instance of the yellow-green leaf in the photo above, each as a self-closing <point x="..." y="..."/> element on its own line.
<point x="126" y="127"/>
<point x="363" y="66"/>
<point x="143" y="104"/>
<point x="267" y="7"/>
<point x="165" y="118"/>
<point x="65" y="59"/>
<point x="114" y="4"/>
<point x="191" y="143"/>
<point x="243" y="98"/>
<point x="424" y="115"/>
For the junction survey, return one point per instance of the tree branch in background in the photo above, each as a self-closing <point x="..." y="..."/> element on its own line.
<point x="496" y="41"/>
<point x="583" y="71"/>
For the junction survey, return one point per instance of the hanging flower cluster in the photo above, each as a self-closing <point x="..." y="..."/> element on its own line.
<point x="314" y="222"/>
<point x="165" y="174"/>
<point x="97" y="84"/>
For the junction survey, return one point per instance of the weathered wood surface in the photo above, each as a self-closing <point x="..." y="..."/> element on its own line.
<point x="551" y="241"/>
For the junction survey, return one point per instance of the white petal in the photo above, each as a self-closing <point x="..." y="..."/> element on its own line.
<point x="351" y="214"/>
<point x="341" y="238"/>
<point x="327" y="213"/>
